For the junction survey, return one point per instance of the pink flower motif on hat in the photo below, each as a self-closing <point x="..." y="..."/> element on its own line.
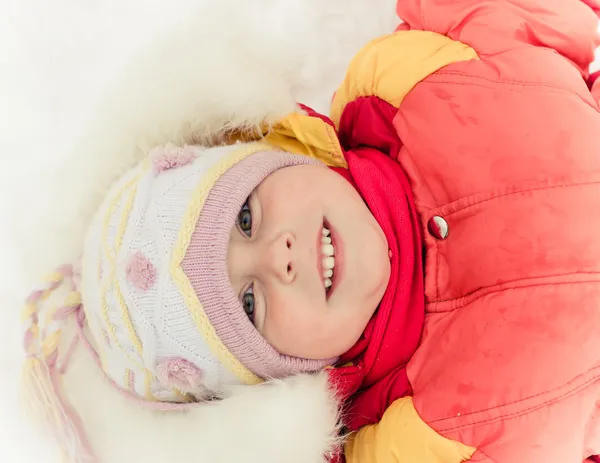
<point x="140" y="271"/>
<point x="181" y="374"/>
<point x="171" y="156"/>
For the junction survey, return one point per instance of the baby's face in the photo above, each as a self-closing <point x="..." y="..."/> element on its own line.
<point x="304" y="301"/>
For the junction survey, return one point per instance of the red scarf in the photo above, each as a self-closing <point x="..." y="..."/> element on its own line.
<point x="377" y="375"/>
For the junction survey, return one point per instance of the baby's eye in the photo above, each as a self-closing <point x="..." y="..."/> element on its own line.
<point x="248" y="303"/>
<point x="244" y="219"/>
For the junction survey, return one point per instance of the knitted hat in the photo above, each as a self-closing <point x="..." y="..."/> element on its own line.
<point x="163" y="317"/>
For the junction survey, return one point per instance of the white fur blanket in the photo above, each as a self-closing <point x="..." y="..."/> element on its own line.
<point x="86" y="88"/>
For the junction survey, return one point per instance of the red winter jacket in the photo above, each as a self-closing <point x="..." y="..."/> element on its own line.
<point x="485" y="108"/>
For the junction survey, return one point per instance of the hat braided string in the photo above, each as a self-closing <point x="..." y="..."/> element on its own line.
<point x="41" y="376"/>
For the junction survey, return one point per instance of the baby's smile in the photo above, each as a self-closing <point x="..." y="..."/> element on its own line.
<point x="327" y="262"/>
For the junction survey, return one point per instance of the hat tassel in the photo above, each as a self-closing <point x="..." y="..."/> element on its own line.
<point x="42" y="398"/>
<point x="41" y="382"/>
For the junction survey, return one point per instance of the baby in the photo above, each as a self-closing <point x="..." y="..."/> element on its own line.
<point x="433" y="245"/>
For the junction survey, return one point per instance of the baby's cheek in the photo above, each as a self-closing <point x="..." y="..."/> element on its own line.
<point x="296" y="331"/>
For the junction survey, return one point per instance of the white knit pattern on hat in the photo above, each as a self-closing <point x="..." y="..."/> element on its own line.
<point x="133" y="328"/>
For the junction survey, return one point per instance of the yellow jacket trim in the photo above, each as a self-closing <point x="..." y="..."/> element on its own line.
<point x="402" y="436"/>
<point x="390" y="67"/>
<point x="300" y="133"/>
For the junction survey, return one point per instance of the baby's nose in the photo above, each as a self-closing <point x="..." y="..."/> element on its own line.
<point x="278" y="259"/>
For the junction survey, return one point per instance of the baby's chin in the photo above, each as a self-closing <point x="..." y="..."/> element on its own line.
<point x="373" y="280"/>
<point x="375" y="264"/>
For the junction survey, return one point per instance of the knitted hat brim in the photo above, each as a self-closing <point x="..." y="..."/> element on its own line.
<point x="205" y="264"/>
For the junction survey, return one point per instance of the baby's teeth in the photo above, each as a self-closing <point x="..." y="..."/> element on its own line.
<point x="327" y="249"/>
<point x="328" y="262"/>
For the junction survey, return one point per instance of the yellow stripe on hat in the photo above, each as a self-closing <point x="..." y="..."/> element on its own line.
<point x="148" y="385"/>
<point x="181" y="280"/>
<point x="129" y="188"/>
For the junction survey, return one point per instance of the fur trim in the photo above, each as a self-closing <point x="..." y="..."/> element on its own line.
<point x="188" y="74"/>
<point x="293" y="420"/>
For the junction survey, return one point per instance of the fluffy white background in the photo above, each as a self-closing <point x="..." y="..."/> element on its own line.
<point x="65" y="65"/>
<point x="59" y="59"/>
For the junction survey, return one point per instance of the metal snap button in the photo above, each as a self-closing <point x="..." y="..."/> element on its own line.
<point x="438" y="227"/>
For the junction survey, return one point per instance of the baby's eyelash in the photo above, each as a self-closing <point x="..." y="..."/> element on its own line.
<point x="244" y="219"/>
<point x="249" y="303"/>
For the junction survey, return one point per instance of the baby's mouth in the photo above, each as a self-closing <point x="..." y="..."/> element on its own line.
<point x="327" y="259"/>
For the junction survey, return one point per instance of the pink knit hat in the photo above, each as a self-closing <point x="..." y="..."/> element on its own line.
<point x="151" y="299"/>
